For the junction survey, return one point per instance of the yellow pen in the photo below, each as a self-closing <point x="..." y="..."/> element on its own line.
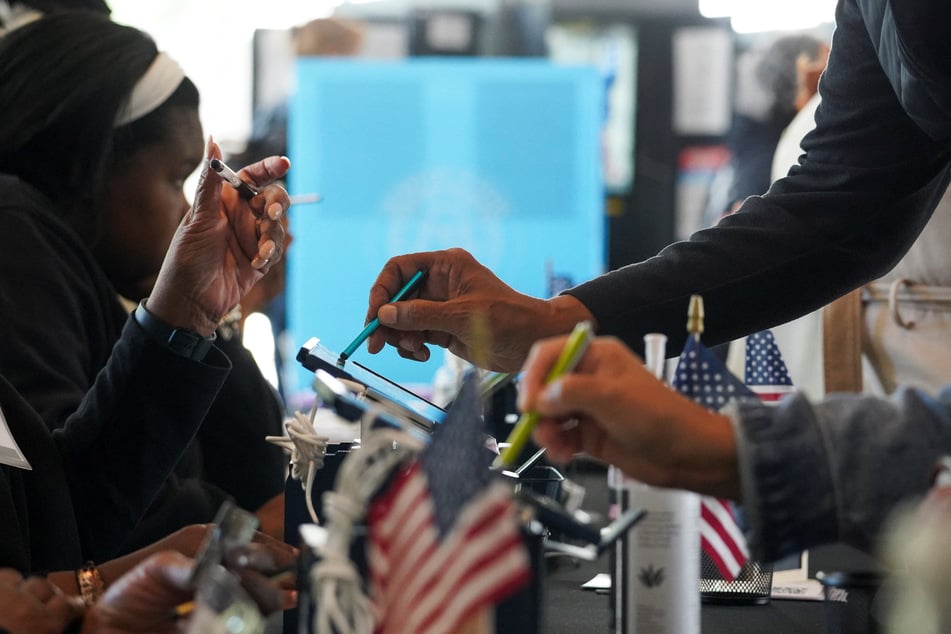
<point x="570" y="355"/>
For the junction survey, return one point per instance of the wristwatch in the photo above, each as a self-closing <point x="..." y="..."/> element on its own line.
<point x="180" y="340"/>
<point x="90" y="582"/>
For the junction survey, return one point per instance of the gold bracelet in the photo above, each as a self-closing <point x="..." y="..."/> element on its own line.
<point x="91" y="584"/>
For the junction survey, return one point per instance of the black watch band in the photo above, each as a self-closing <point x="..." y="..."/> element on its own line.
<point x="181" y="341"/>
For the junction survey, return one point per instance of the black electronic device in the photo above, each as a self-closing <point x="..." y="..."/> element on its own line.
<point x="233" y="526"/>
<point x="333" y="393"/>
<point x="597" y="539"/>
<point x="391" y="396"/>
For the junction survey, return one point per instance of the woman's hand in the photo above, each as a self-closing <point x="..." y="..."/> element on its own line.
<point x="613" y="409"/>
<point x="185" y="540"/>
<point x="144" y="599"/>
<point x="35" y="605"/>
<point x="268" y="574"/>
<point x="223" y="246"/>
<point x="271" y="517"/>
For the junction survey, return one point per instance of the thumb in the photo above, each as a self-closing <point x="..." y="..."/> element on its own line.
<point x="423" y="314"/>
<point x="208" y="193"/>
<point x="171" y="568"/>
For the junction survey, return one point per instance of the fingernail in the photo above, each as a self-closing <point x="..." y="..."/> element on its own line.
<point x="552" y="392"/>
<point x="268" y="249"/>
<point x="387" y="315"/>
<point x="259" y="263"/>
<point x="408" y="344"/>
<point x="275" y="211"/>
<point x="421" y="355"/>
<point x="292" y="599"/>
<point x="180" y="576"/>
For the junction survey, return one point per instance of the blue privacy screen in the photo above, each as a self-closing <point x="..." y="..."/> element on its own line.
<point x="497" y="156"/>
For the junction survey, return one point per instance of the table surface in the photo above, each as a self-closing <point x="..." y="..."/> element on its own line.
<point x="572" y="610"/>
<point x="568" y="609"/>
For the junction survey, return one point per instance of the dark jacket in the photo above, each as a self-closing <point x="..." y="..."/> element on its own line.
<point x="875" y="167"/>
<point x="60" y="319"/>
<point x="94" y="478"/>
<point x="816" y="473"/>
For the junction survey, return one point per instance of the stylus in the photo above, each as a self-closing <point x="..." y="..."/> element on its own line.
<point x="408" y="288"/>
<point x="570" y="355"/>
<point x="244" y="189"/>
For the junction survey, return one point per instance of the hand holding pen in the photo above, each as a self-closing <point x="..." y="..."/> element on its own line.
<point x="613" y="409"/>
<point x="244" y="189"/>
<point x="248" y="191"/>
<point x="223" y="246"/>
<point x="414" y="282"/>
<point x="575" y="346"/>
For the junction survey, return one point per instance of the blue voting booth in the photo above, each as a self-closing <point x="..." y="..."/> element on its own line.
<point x="498" y="156"/>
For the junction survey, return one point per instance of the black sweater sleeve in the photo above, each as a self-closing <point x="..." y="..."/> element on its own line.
<point x="123" y="407"/>
<point x="234" y="454"/>
<point x="870" y="181"/>
<point x="121" y="444"/>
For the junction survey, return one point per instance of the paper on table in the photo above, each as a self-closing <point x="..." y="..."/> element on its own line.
<point x="337" y="430"/>
<point x="601" y="581"/>
<point x="10" y="453"/>
<point x="806" y="590"/>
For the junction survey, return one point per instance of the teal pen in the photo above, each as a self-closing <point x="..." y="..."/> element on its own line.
<point x="408" y="288"/>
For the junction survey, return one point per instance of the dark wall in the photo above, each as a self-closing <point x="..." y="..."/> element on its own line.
<point x="644" y="222"/>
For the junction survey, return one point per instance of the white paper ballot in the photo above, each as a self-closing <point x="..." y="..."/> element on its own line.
<point x="808" y="590"/>
<point x="9" y="450"/>
<point x="601" y="581"/>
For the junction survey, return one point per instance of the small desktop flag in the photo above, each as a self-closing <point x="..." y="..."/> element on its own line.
<point x="444" y="542"/>
<point x="766" y="373"/>
<point x="702" y="377"/>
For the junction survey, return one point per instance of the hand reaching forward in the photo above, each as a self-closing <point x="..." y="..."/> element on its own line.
<point x="466" y="308"/>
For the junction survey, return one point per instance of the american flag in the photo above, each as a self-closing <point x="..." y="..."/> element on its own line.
<point x="765" y="371"/>
<point x="444" y="543"/>
<point x="701" y="376"/>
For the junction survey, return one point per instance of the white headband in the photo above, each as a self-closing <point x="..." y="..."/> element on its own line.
<point x="153" y="88"/>
<point x="15" y="16"/>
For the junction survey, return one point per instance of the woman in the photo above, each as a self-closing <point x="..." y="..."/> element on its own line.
<point x="142" y="204"/>
<point x="84" y="174"/>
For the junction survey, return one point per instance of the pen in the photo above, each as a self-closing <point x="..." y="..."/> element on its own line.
<point x="408" y="288"/>
<point x="306" y="199"/>
<point x="244" y="189"/>
<point x="570" y="355"/>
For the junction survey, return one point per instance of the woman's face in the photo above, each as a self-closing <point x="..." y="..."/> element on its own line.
<point x="144" y="202"/>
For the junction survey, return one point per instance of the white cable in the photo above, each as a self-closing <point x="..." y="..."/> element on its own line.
<point x="307" y="449"/>
<point x="341" y="605"/>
